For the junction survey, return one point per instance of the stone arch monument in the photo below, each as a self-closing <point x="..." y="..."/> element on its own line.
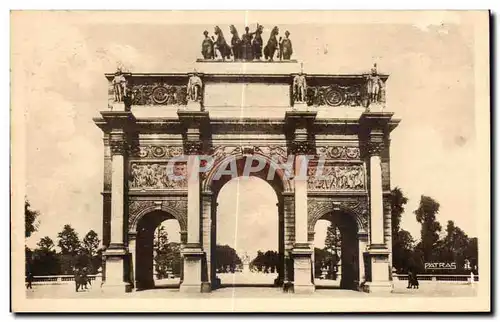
<point x="243" y="110"/>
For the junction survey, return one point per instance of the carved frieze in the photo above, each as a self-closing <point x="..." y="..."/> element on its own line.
<point x="156" y="151"/>
<point x="157" y="176"/>
<point x="276" y="153"/>
<point x="175" y="207"/>
<point x="158" y="93"/>
<point x="336" y="95"/>
<point x="339" y="152"/>
<point x="318" y="207"/>
<point x="336" y="178"/>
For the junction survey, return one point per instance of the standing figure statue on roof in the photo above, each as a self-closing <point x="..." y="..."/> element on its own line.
<point x="286" y="47"/>
<point x="272" y="45"/>
<point x="246" y="44"/>
<point x="119" y="85"/>
<point x="235" y="43"/>
<point x="257" y="42"/>
<point x="194" y="87"/>
<point x="299" y="88"/>
<point x="207" y="47"/>
<point x="373" y="85"/>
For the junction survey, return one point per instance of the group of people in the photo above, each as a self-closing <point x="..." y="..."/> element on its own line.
<point x="412" y="279"/>
<point x="82" y="280"/>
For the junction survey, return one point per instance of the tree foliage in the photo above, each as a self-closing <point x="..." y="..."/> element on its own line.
<point x="91" y="243"/>
<point x="30" y="219"/>
<point x="333" y="242"/>
<point x="167" y="256"/>
<point x="68" y="241"/>
<point x="429" y="234"/>
<point x="267" y="262"/>
<point x="227" y="260"/>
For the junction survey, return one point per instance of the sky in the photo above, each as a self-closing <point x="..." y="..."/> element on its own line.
<point x="59" y="67"/>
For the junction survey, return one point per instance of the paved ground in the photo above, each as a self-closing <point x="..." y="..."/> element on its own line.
<point x="257" y="289"/>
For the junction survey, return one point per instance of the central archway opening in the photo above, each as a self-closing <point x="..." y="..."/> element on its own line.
<point x="247" y="224"/>
<point x="247" y="248"/>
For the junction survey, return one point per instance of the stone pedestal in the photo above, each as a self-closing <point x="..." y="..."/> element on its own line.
<point x="300" y="106"/>
<point x="118" y="107"/>
<point x="302" y="269"/>
<point x="193" y="256"/>
<point x="379" y="270"/>
<point x="193" y="106"/>
<point x="115" y="261"/>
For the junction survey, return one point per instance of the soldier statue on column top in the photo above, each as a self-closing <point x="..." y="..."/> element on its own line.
<point x="374" y="84"/>
<point x="194" y="87"/>
<point x="300" y="87"/>
<point x="119" y="85"/>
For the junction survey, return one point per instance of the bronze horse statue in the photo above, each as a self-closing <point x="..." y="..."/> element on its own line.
<point x="272" y="45"/>
<point x="235" y="43"/>
<point x="221" y="44"/>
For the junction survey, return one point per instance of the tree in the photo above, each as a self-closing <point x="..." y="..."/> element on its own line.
<point x="402" y="251"/>
<point x="68" y="241"/>
<point x="333" y="239"/>
<point x="429" y="233"/>
<point x="45" y="260"/>
<point x="226" y="259"/>
<point x="91" y="251"/>
<point x="398" y="201"/>
<point x="454" y="246"/>
<point x="160" y="246"/>
<point x="91" y="243"/>
<point x="46" y="244"/>
<point x="69" y="244"/>
<point x="402" y="241"/>
<point x="30" y="219"/>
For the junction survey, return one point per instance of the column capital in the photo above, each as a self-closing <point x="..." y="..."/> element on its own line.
<point x="193" y="147"/>
<point x="298" y="147"/>
<point x="118" y="147"/>
<point x="375" y="148"/>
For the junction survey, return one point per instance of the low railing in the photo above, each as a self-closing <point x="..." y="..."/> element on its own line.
<point x="61" y="279"/>
<point x="437" y="277"/>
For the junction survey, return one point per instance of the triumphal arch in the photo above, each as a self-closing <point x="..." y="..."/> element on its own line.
<point x="172" y="140"/>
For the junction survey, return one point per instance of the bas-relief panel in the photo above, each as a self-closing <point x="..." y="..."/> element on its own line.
<point x="336" y="178"/>
<point x="156" y="175"/>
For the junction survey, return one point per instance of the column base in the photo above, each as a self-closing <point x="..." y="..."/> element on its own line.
<point x="304" y="289"/>
<point x="193" y="255"/>
<point x="116" y="287"/>
<point x="380" y="272"/>
<point x="302" y="269"/>
<point x="190" y="288"/>
<point x="377" y="287"/>
<point x="206" y="287"/>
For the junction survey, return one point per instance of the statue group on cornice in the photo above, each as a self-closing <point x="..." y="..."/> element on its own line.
<point x="247" y="48"/>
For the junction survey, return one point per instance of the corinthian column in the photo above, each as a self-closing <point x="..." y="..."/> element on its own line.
<point x="375" y="127"/>
<point x="301" y="146"/>
<point x="376" y="205"/>
<point x="116" y="253"/>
